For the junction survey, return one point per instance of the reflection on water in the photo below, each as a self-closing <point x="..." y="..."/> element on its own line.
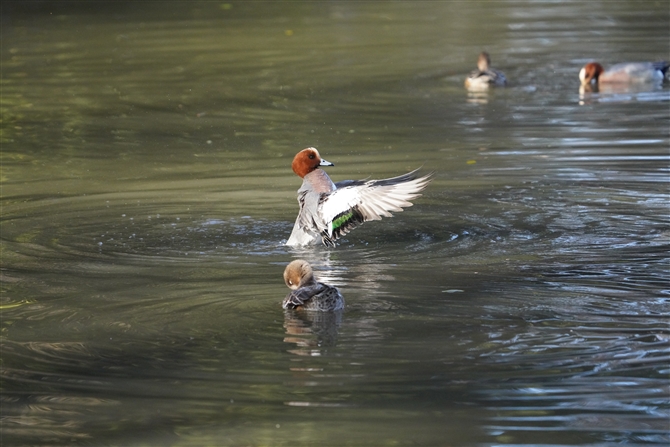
<point x="147" y="194"/>
<point x="478" y="97"/>
<point x="589" y="93"/>
<point x="310" y="331"/>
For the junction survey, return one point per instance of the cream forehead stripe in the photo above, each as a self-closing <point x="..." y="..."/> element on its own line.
<point x="582" y="74"/>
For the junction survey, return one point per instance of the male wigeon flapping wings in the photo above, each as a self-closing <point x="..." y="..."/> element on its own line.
<point x="329" y="210"/>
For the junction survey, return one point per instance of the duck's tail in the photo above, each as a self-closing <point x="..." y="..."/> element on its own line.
<point x="662" y="66"/>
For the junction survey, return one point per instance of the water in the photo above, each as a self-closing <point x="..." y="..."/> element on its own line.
<point x="146" y="194"/>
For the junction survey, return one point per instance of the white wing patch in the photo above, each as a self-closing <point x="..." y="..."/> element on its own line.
<point x="373" y="199"/>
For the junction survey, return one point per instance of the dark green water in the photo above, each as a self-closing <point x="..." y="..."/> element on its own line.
<point x="147" y="193"/>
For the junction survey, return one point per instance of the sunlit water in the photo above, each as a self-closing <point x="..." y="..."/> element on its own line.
<point x="147" y="193"/>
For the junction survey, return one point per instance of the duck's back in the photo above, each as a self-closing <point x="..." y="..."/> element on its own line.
<point x="634" y="72"/>
<point x="479" y="79"/>
<point x="329" y="299"/>
<point x="321" y="297"/>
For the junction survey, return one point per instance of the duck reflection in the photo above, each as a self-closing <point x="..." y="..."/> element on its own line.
<point x="310" y="330"/>
<point x="593" y="93"/>
<point x="478" y="97"/>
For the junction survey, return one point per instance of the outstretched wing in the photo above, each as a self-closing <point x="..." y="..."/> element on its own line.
<point x="355" y="202"/>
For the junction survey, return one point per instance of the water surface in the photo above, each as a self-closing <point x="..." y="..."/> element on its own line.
<point x="147" y="193"/>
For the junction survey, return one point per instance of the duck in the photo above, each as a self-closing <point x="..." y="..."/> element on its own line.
<point x="330" y="210"/>
<point x="484" y="76"/>
<point x="624" y="73"/>
<point x="306" y="292"/>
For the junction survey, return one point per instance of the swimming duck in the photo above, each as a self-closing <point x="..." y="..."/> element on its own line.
<point x="306" y="292"/>
<point x="329" y="210"/>
<point x="484" y="76"/>
<point x="624" y="73"/>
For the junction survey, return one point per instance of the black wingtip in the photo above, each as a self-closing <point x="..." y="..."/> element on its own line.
<point x="327" y="240"/>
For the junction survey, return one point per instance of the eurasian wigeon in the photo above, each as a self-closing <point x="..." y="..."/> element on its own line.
<point x="306" y="292"/>
<point x="484" y="76"/>
<point x="329" y="210"/>
<point x="625" y="73"/>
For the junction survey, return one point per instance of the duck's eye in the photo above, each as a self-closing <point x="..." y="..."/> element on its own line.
<point x="290" y="283"/>
<point x="311" y="156"/>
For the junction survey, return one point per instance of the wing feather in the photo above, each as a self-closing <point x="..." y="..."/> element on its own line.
<point x="355" y="202"/>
